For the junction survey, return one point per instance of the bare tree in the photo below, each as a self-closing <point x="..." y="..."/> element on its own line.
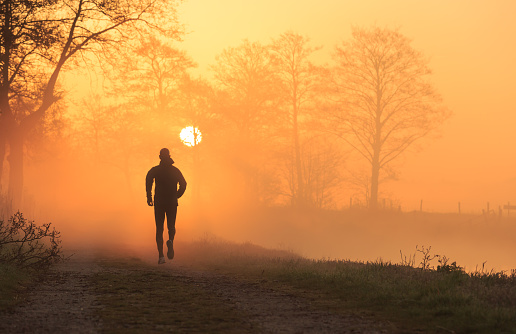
<point x="299" y="80"/>
<point x="149" y="76"/>
<point x="38" y="39"/>
<point x="386" y="102"/>
<point x="195" y="108"/>
<point x="246" y="79"/>
<point x="247" y="76"/>
<point x="110" y="134"/>
<point x="322" y="161"/>
<point x="195" y="100"/>
<point x="147" y="81"/>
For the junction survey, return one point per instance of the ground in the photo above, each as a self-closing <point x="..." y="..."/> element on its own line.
<point x="79" y="296"/>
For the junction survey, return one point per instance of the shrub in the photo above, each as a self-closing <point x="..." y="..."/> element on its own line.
<point x="27" y="245"/>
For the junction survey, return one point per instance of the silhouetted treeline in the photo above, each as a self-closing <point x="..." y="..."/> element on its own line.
<point x="277" y="128"/>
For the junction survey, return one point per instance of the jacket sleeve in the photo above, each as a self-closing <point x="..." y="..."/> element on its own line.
<point x="149" y="179"/>
<point x="182" y="184"/>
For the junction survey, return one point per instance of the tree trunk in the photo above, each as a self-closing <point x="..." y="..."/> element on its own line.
<point x="375" y="175"/>
<point x="3" y="143"/>
<point x="15" y="187"/>
<point x="300" y="189"/>
<point x="377" y="144"/>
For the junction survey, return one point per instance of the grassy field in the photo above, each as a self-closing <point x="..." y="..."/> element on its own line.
<point x="413" y="299"/>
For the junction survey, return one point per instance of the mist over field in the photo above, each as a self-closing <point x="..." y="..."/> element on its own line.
<point x="338" y="130"/>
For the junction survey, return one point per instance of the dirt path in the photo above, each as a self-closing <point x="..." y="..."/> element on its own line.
<point x="65" y="303"/>
<point x="276" y="312"/>
<point x="62" y="303"/>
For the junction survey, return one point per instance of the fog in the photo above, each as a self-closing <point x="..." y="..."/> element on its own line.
<point x="87" y="178"/>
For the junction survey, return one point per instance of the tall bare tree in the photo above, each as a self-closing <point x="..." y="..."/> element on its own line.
<point x="107" y="134"/>
<point x="247" y="75"/>
<point x="386" y="101"/>
<point x="150" y="75"/>
<point x="322" y="162"/>
<point x="148" y="79"/>
<point x="246" y="78"/>
<point x="38" y="38"/>
<point x="195" y="101"/>
<point x="299" y="81"/>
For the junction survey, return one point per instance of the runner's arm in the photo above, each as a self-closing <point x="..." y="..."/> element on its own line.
<point x="149" y="179"/>
<point x="182" y="185"/>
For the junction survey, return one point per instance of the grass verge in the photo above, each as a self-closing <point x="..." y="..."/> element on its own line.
<point x="411" y="299"/>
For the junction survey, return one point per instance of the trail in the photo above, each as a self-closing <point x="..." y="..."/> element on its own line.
<point x="65" y="303"/>
<point x="62" y="303"/>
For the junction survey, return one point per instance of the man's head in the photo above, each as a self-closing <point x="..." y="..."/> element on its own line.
<point x="164" y="153"/>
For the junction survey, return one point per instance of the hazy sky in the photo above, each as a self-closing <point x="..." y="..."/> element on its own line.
<point x="471" y="49"/>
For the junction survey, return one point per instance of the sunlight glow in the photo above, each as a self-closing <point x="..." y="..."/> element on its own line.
<point x="190" y="136"/>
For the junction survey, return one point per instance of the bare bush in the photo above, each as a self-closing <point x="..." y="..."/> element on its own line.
<point x="27" y="245"/>
<point x="427" y="257"/>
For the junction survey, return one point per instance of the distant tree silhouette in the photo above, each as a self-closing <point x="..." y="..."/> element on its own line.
<point x="147" y="81"/>
<point x="299" y="80"/>
<point x="246" y="79"/>
<point x="39" y="39"/>
<point x="195" y="103"/>
<point x="386" y="102"/>
<point x="247" y="75"/>
<point x="321" y="163"/>
<point x="149" y="75"/>
<point x="102" y="134"/>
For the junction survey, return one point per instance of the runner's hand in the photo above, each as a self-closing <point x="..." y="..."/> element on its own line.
<point x="149" y="202"/>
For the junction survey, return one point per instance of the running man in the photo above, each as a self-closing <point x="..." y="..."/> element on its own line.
<point x="166" y="193"/>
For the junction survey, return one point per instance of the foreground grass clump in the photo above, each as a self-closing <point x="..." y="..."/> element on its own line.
<point x="427" y="300"/>
<point x="26" y="251"/>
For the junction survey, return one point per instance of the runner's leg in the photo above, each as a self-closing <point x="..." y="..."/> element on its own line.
<point x="159" y="215"/>
<point x="171" y="220"/>
<point x="171" y="226"/>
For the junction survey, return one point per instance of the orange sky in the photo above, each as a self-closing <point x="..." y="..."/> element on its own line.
<point x="471" y="49"/>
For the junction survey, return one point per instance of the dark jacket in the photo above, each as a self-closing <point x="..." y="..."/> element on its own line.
<point x="167" y="178"/>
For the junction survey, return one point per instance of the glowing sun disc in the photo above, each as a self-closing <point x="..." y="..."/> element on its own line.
<point x="190" y="136"/>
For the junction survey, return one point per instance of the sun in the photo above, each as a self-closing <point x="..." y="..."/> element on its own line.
<point x="190" y="136"/>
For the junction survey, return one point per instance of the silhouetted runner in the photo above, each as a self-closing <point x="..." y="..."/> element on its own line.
<point x="166" y="194"/>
